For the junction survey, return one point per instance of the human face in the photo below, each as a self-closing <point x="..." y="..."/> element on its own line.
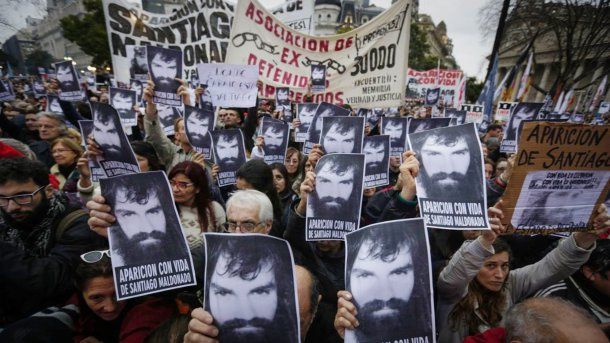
<point x="282" y="96"/>
<point x="273" y="139"/>
<point x="143" y="163"/>
<point x="183" y="189"/>
<point x="278" y="181"/>
<point x="136" y="86"/>
<point x="106" y="135"/>
<point x="164" y="72"/>
<point x="99" y="294"/>
<point x="31" y="121"/>
<point x="243" y="308"/>
<point x="228" y="150"/>
<point x="231" y="118"/>
<point x="246" y="213"/>
<point x="143" y="224"/>
<point x="489" y="170"/>
<point x="24" y="213"/>
<point x="49" y="129"/>
<point x="308" y="167"/>
<point x="181" y="132"/>
<point x="494" y="272"/>
<point x="140" y="57"/>
<point x="381" y="288"/>
<point x="374" y="155"/>
<point x="557" y="206"/>
<point x="394" y="130"/>
<point x="335" y="142"/>
<point x="518" y="117"/>
<point x="317" y="73"/>
<point x="222" y="114"/>
<point x="63" y="155"/>
<point x="64" y="75"/>
<point x="432" y="96"/>
<point x="334" y="189"/>
<point x="123" y="104"/>
<point x="446" y="165"/>
<point x="292" y="163"/>
<point x="501" y="167"/>
<point x="332" y="247"/>
<point x="54" y="106"/>
<point x="198" y="126"/>
<point x="306" y="115"/>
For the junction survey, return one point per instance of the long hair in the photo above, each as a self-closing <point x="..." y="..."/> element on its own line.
<point x="292" y="151"/>
<point x="203" y="199"/>
<point x="148" y="151"/>
<point x="282" y="170"/>
<point x="259" y="175"/>
<point x="490" y="304"/>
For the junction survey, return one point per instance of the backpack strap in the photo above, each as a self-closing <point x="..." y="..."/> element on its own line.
<point x="67" y="221"/>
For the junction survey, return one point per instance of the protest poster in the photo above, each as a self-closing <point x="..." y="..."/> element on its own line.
<point x="333" y="208"/>
<point x="396" y="128"/>
<point x="474" y="113"/>
<point x="86" y="129"/>
<point x="69" y="85"/>
<point x="423" y="124"/>
<point x="229" y="154"/>
<point x="458" y="117"/>
<point x="282" y="98"/>
<point x="560" y="177"/>
<point x="447" y="80"/>
<point x="388" y="271"/>
<point x="198" y="123"/>
<point x="6" y="91"/>
<point x="124" y="101"/>
<point x="521" y="111"/>
<point x="250" y="288"/>
<point x="138" y="62"/>
<point x="305" y="114"/>
<point x="451" y="185"/>
<point x="148" y="248"/>
<point x="39" y="88"/>
<point x="604" y="107"/>
<point x="275" y="133"/>
<point x="53" y="105"/>
<point x="229" y="85"/>
<point x="200" y="29"/>
<point x="165" y="67"/>
<point x="118" y="157"/>
<point x="577" y="118"/>
<point x="343" y="135"/>
<point x="365" y="67"/>
<point x="372" y="115"/>
<point x="377" y="156"/>
<point x="324" y="109"/>
<point x="297" y="14"/>
<point x="503" y="111"/>
<point x="287" y="116"/>
<point x="432" y="96"/>
<point x="138" y="87"/>
<point x="318" y="78"/>
<point x="167" y="118"/>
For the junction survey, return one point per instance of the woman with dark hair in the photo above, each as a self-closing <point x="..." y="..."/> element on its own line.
<point x="293" y="165"/>
<point x="304" y="167"/>
<point x="286" y="194"/>
<point x="146" y="156"/>
<point x="198" y="212"/>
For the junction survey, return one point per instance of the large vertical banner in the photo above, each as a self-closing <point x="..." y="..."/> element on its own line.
<point x="200" y="30"/>
<point x="365" y="67"/>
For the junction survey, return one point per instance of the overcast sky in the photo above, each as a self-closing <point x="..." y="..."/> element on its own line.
<point x="469" y="49"/>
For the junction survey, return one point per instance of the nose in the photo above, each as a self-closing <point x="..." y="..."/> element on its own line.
<point x="12" y="206"/>
<point x="110" y="305"/>
<point x="384" y="291"/>
<point x="500" y="274"/>
<point x="248" y="312"/>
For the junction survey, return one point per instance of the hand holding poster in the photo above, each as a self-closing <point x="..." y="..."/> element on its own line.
<point x="315" y="128"/>
<point x="342" y="135"/>
<point x="305" y="115"/>
<point x="450" y="185"/>
<point x="275" y="135"/>
<point x="165" y="67"/>
<point x="229" y="154"/>
<point x="333" y="208"/>
<point x="198" y="126"/>
<point x="149" y="251"/>
<point x="229" y="85"/>
<point x="69" y="85"/>
<point x="560" y="177"/>
<point x="124" y="100"/>
<point x="250" y="288"/>
<point x="377" y="156"/>
<point x="521" y="111"/>
<point x="396" y="128"/>
<point x="389" y="274"/>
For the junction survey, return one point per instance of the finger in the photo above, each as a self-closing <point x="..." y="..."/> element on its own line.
<point x="194" y="337"/>
<point x="344" y="313"/>
<point x="102" y="216"/>
<point x="347" y="305"/>
<point x="342" y="322"/>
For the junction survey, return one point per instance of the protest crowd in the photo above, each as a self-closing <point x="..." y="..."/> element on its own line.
<point x="115" y="220"/>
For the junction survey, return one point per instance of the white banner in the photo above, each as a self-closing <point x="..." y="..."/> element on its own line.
<point x="366" y="67"/>
<point x="229" y="85"/>
<point x="200" y="29"/>
<point x="298" y="14"/>
<point x="418" y="82"/>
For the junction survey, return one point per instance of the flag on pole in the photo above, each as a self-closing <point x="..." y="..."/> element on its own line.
<point x="559" y="102"/>
<point x="486" y="98"/>
<point x="601" y="89"/>
<point x="461" y="93"/>
<point x="567" y="101"/>
<point x="525" y="79"/>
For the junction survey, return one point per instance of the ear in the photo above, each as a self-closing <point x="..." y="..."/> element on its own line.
<point x="268" y="226"/>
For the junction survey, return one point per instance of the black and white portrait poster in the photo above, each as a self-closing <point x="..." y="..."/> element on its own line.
<point x="333" y="208"/>
<point x="458" y="117"/>
<point x="250" y="288"/>
<point x="118" y="158"/>
<point x="6" y="91"/>
<point x="318" y="78"/>
<point x="396" y="128"/>
<point x="165" y="66"/>
<point x="474" y="113"/>
<point x="373" y="116"/>
<point x="138" y="63"/>
<point x="167" y="118"/>
<point x="282" y="98"/>
<point x="451" y="185"/>
<point x="198" y="125"/>
<point x="305" y="114"/>
<point x="229" y="154"/>
<point x="432" y="96"/>
<point x="342" y="135"/>
<point x="53" y="105"/>
<point x="69" y="85"/>
<point x="423" y="124"/>
<point x="275" y="133"/>
<point x="389" y="274"/>
<point x="148" y="248"/>
<point x="522" y="111"/>
<point x="287" y="116"/>
<point x="39" y="88"/>
<point x="325" y="109"/>
<point x="138" y="87"/>
<point x="86" y="129"/>
<point x="377" y="156"/>
<point x="124" y="100"/>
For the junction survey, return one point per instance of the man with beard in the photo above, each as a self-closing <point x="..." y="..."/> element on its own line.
<point x="139" y="65"/>
<point x="306" y="113"/>
<point x="53" y="105"/>
<point x="432" y="96"/>
<point x="563" y="208"/>
<point x="341" y="137"/>
<point x="375" y="151"/>
<point x="164" y="71"/>
<point x="317" y="75"/>
<point x="335" y="182"/>
<point x="106" y="133"/>
<point x="274" y="139"/>
<point x="198" y="125"/>
<point x="282" y="100"/>
<point x="448" y="169"/>
<point x="522" y="112"/>
<point x="229" y="153"/>
<point x="123" y="101"/>
<point x="136" y="85"/>
<point x="146" y="231"/>
<point x="250" y="293"/>
<point x="39" y="249"/>
<point x="396" y="129"/>
<point x="167" y="118"/>
<point x="66" y="78"/>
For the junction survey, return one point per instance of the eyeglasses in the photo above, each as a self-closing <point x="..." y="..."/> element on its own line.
<point x="20" y="199"/>
<point x="180" y="184"/>
<point x="245" y="227"/>
<point x="94" y="256"/>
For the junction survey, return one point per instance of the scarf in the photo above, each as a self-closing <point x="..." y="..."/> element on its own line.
<point x="37" y="239"/>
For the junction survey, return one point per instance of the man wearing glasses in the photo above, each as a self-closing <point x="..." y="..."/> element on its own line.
<point x="41" y="238"/>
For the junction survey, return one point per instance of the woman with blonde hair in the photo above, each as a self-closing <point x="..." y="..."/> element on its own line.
<point x="66" y="153"/>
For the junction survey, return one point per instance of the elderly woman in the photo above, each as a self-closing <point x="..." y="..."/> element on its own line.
<point x="66" y="153"/>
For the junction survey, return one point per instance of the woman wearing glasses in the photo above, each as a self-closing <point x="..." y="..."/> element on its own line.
<point x="198" y="212"/>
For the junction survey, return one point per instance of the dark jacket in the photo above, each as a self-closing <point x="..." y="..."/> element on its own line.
<point x="43" y="152"/>
<point x="388" y="205"/>
<point x="17" y="132"/>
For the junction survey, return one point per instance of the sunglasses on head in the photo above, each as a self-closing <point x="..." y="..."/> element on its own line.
<point x="94" y="256"/>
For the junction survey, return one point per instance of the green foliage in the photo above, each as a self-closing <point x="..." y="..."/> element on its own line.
<point x="89" y="32"/>
<point x="38" y="58"/>
<point x="419" y="50"/>
<point x="473" y="89"/>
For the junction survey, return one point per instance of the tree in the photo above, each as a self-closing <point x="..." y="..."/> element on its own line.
<point x="89" y="32"/>
<point x="38" y="58"/>
<point x="473" y="89"/>
<point x="419" y="50"/>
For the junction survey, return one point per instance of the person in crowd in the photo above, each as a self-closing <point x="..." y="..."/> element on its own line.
<point x="293" y="165"/>
<point x="170" y="331"/>
<point x="198" y="211"/>
<point x="50" y="127"/>
<point x="285" y="192"/>
<point x="66" y="154"/>
<point x="41" y="238"/>
<point x="501" y="165"/>
<point x="19" y="146"/>
<point x="493" y="130"/>
<point x="489" y="167"/>
<point x="27" y="134"/>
